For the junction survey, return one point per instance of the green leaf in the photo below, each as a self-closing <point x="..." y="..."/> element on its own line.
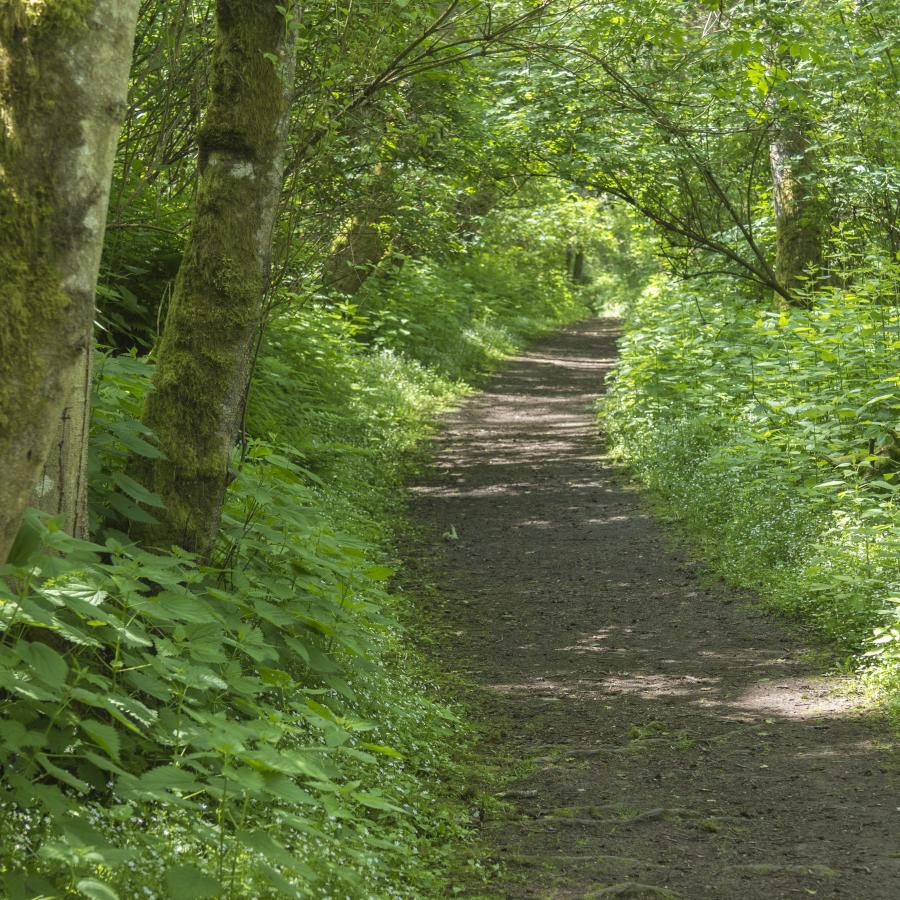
<point x="61" y="774"/>
<point x="137" y="491"/>
<point x="20" y="886"/>
<point x="29" y="539"/>
<point x="127" y="433"/>
<point x="169" y="778"/>
<point x="47" y="665"/>
<point x="275" y="677"/>
<point x="274" y="852"/>
<point x="190" y="883"/>
<point x="104" y="736"/>
<point x="382" y="749"/>
<point x="374" y="801"/>
<point x="378" y="573"/>
<point x="130" y="510"/>
<point x="117" y="705"/>
<point x="15" y="737"/>
<point x="101" y="762"/>
<point x="96" y="890"/>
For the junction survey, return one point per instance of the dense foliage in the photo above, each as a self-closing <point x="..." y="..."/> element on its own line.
<point x="757" y="393"/>
<point x="773" y="434"/>
<point x="257" y="725"/>
<point x="325" y="220"/>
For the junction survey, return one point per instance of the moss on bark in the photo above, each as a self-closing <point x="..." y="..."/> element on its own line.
<point x="355" y="256"/>
<point x="63" y="74"/>
<point x="203" y="359"/>
<point x="27" y="185"/>
<point x="799" y="216"/>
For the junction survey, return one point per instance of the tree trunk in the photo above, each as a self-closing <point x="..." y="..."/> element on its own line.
<point x="578" y="266"/>
<point x="63" y="83"/>
<point x="798" y="213"/>
<point x="62" y="488"/>
<point x="355" y="256"/>
<point x="364" y="242"/>
<point x="204" y="357"/>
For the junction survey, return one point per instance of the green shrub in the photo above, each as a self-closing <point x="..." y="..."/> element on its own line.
<point x="774" y="436"/>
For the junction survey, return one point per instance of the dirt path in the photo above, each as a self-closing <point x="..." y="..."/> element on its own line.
<point x="676" y="740"/>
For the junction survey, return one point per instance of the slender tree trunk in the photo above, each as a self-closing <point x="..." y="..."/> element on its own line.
<point x="204" y="357"/>
<point x="63" y="82"/>
<point x="62" y="488"/>
<point x="355" y="256"/>
<point x="578" y="266"/>
<point x="799" y="222"/>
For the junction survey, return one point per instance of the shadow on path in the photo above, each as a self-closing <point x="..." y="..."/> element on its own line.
<point x="683" y="742"/>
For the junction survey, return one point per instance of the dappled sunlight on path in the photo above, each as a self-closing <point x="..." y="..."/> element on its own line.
<point x="677" y="736"/>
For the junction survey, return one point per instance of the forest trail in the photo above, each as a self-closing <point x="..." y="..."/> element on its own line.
<point x="671" y="738"/>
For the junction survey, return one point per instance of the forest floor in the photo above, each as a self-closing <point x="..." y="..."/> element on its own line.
<point x="667" y="737"/>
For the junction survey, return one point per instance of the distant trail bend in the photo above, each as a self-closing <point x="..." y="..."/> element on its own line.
<point x="679" y="741"/>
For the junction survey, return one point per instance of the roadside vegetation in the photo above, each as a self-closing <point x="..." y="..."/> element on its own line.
<point x="249" y="249"/>
<point x="771" y="435"/>
<point x="257" y="724"/>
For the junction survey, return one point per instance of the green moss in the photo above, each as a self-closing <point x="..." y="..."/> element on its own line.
<point x="203" y="358"/>
<point x="42" y="325"/>
<point x="32" y="302"/>
<point x="247" y="105"/>
<point x="60" y="15"/>
<point x="32" y="295"/>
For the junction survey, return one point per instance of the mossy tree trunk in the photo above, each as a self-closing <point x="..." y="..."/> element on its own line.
<point x="204" y="357"/>
<point x="355" y="254"/>
<point x="63" y="82"/>
<point x="365" y="240"/>
<point x="799" y="217"/>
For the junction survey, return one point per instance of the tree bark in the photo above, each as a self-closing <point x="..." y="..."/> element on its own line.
<point x="578" y="266"/>
<point x="798" y="213"/>
<point x="204" y="357"/>
<point x="63" y="83"/>
<point x="356" y="254"/>
<point x="62" y="488"/>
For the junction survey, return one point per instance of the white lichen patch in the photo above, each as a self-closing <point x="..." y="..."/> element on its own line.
<point x="45" y="486"/>
<point x="242" y="170"/>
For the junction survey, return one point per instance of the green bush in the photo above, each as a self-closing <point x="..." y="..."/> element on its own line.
<point x="774" y="436"/>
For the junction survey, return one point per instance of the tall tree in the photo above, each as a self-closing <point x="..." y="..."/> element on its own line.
<point x="63" y="80"/>
<point x="799" y="217"/>
<point x="204" y="357"/>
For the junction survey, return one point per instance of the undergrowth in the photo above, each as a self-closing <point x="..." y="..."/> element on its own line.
<point x="258" y="726"/>
<point x="772" y="435"/>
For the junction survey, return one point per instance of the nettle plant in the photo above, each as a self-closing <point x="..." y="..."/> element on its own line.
<point x="146" y="696"/>
<point x="775" y="433"/>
